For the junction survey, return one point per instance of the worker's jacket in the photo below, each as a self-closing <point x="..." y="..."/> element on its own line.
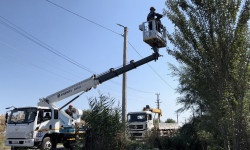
<point x="152" y="15"/>
<point x="69" y="112"/>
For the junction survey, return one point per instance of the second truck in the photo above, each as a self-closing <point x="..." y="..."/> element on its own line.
<point x="142" y="123"/>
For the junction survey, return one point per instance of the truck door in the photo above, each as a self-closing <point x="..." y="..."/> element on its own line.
<point x="44" y="115"/>
<point x="44" y="120"/>
<point x="150" y="122"/>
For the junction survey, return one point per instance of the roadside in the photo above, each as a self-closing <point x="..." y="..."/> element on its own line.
<point x="2" y="133"/>
<point x="2" y="138"/>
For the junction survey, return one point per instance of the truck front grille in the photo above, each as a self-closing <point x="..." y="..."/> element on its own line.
<point x="137" y="134"/>
<point x="136" y="127"/>
<point x="15" y="135"/>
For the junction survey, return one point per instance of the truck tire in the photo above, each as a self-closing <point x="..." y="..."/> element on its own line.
<point x="46" y="144"/>
<point x="67" y="145"/>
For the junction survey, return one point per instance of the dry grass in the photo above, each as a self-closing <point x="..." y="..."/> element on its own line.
<point x="2" y="122"/>
<point x="2" y="139"/>
<point x="2" y="136"/>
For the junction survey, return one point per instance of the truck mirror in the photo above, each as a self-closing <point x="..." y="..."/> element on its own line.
<point x="6" y="118"/>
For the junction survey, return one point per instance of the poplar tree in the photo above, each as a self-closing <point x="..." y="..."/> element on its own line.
<point x="211" y="41"/>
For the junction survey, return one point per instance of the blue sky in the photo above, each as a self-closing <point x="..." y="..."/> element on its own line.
<point x="30" y="71"/>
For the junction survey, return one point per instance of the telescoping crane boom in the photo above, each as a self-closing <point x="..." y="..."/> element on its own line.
<point x="93" y="81"/>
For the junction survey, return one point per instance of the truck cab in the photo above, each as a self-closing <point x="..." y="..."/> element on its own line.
<point x="37" y="127"/>
<point x="139" y="122"/>
<point x="27" y="126"/>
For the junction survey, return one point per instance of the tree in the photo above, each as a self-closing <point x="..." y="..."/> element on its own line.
<point x="85" y="114"/>
<point x="169" y="120"/>
<point x="105" y="127"/>
<point x="211" y="41"/>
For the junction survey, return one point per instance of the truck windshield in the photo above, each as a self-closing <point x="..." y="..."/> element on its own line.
<point x="137" y="117"/>
<point x="22" y="115"/>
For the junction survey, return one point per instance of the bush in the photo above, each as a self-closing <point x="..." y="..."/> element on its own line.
<point x="105" y="128"/>
<point x="192" y="135"/>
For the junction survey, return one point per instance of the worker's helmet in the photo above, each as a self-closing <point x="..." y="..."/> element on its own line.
<point x="70" y="106"/>
<point x="152" y="8"/>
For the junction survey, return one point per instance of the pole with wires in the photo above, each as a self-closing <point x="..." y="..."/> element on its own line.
<point x="124" y="77"/>
<point x="158" y="104"/>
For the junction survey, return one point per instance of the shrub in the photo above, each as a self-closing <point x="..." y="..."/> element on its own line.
<point x="104" y="121"/>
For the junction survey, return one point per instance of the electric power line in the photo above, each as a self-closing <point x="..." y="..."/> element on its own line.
<point x="43" y="60"/>
<point x="132" y="88"/>
<point x="30" y="37"/>
<point x="83" y="17"/>
<point x="151" y="67"/>
<point x="38" y="67"/>
<point x="47" y="70"/>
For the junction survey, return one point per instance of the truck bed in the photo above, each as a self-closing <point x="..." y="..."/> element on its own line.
<point x="167" y="126"/>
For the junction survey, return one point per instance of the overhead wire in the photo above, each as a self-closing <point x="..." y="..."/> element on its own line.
<point x="84" y="18"/>
<point x="30" y="37"/>
<point x="132" y="88"/>
<point x="151" y="67"/>
<point x="38" y="67"/>
<point x="47" y="70"/>
<point x="43" y="60"/>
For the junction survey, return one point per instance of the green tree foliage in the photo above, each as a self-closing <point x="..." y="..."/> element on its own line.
<point x="169" y="120"/>
<point x="211" y="40"/>
<point x="191" y="136"/>
<point x="85" y="114"/>
<point x="104" y="122"/>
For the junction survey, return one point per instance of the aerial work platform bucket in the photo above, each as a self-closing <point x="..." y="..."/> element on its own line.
<point x="154" y="34"/>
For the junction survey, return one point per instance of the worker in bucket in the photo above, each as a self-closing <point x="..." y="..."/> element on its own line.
<point x="70" y="110"/>
<point x="151" y="16"/>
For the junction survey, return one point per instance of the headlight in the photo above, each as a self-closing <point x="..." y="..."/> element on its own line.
<point x="29" y="135"/>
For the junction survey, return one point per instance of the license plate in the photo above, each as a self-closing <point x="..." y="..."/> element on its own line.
<point x="15" y="142"/>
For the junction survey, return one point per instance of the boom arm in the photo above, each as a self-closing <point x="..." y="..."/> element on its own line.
<point x="93" y="81"/>
<point x="113" y="73"/>
<point x="157" y="111"/>
<point x="84" y="85"/>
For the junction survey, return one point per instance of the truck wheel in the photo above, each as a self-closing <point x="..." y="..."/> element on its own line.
<point x="66" y="144"/>
<point x="46" y="144"/>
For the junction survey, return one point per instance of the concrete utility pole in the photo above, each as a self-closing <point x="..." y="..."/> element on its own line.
<point x="158" y="104"/>
<point x="124" y="77"/>
<point x="158" y="100"/>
